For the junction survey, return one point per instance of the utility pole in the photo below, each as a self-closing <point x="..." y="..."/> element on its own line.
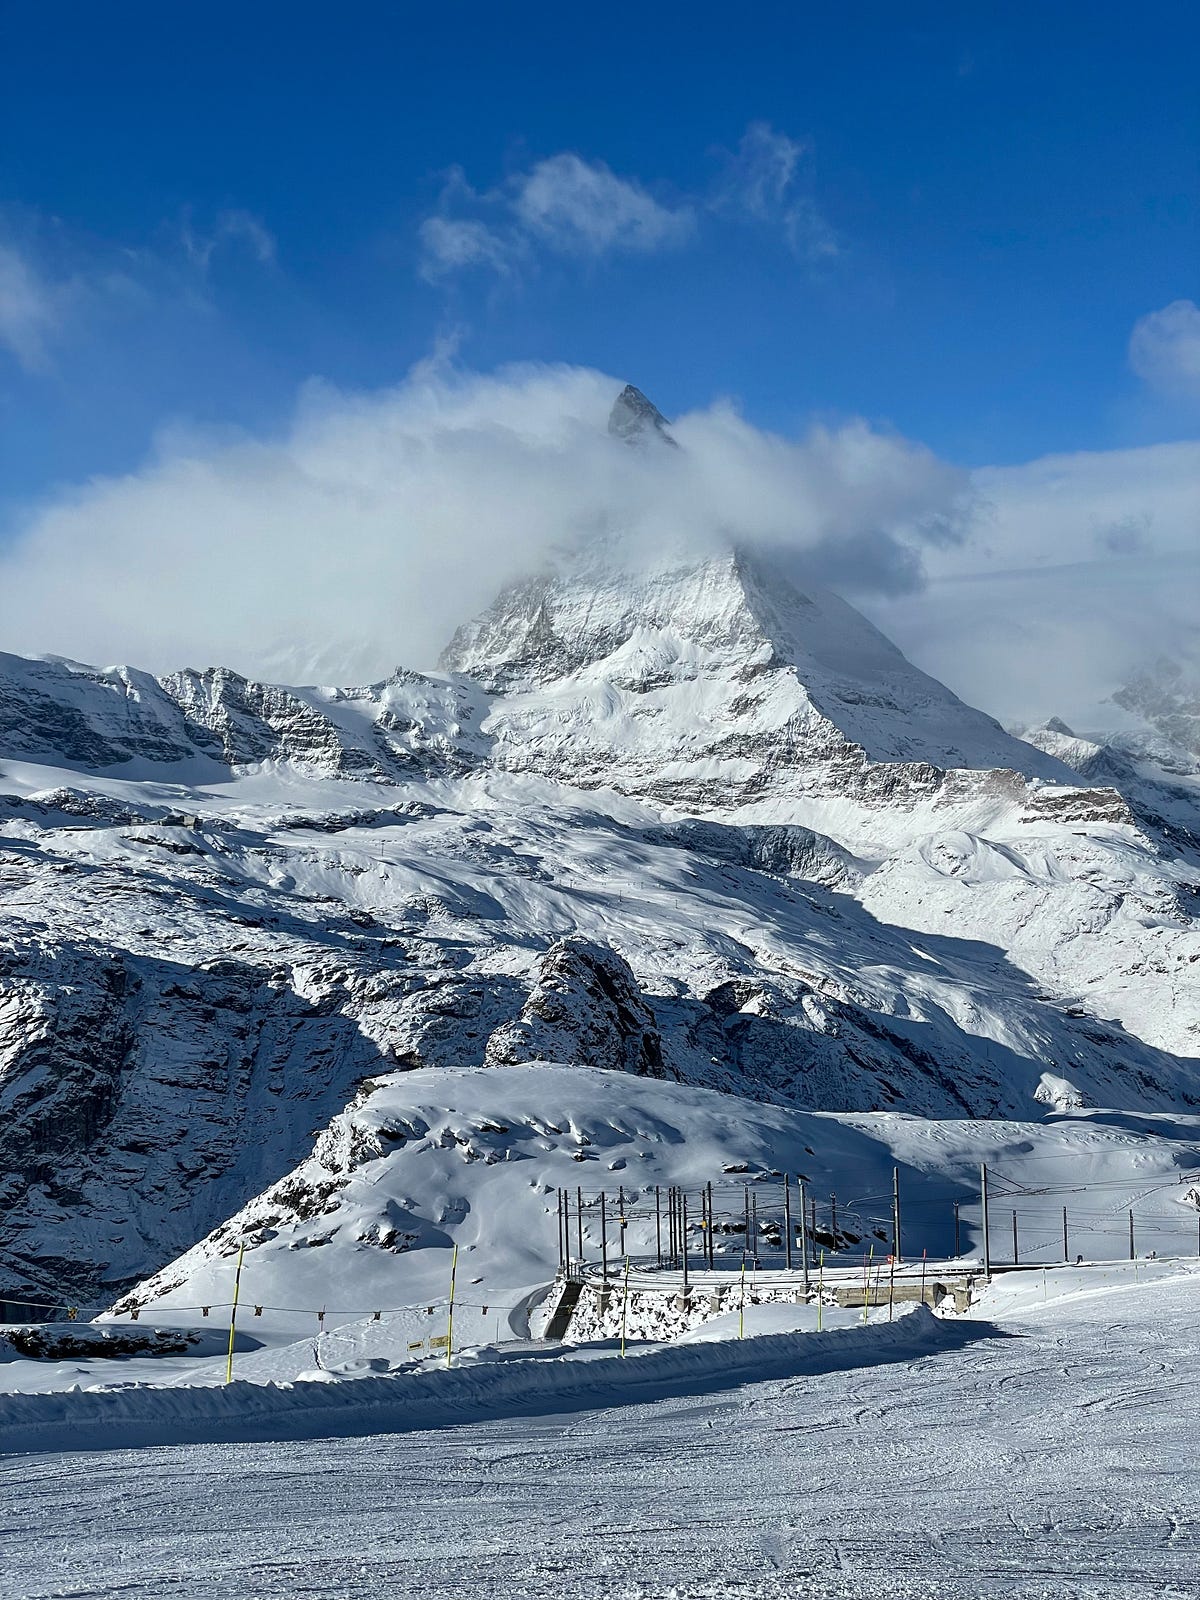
<point x="787" y="1223"/>
<point x="603" y="1240"/>
<point x="1066" y="1251"/>
<point x="803" y="1238"/>
<point x="895" y="1213"/>
<point x="658" y="1223"/>
<point x="1132" y="1256"/>
<point x="957" y="1244"/>
<point x="987" y="1244"/>
<point x="711" y="1231"/>
<point x="1016" y="1252"/>
<point x="579" y="1222"/>
<point x="833" y="1220"/>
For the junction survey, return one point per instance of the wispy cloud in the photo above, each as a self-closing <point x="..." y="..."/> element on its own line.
<point x="231" y="228"/>
<point x="583" y="209"/>
<point x="564" y="204"/>
<point x="30" y="310"/>
<point x="448" y="244"/>
<point x="1164" y="348"/>
<point x="54" y="284"/>
<point x="769" y="178"/>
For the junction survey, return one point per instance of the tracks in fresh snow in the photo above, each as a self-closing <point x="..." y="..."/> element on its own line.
<point x="1061" y="1463"/>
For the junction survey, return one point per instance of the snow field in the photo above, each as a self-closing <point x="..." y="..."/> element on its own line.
<point x="1049" y="1454"/>
<point x="355" y="1401"/>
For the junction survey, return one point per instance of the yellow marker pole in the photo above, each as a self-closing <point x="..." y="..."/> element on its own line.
<point x="450" y="1328"/>
<point x="821" y="1294"/>
<point x="867" y="1284"/>
<point x="625" y="1305"/>
<point x="742" y="1303"/>
<point x="237" y="1285"/>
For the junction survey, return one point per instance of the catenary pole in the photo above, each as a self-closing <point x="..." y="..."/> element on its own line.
<point x="803" y="1238"/>
<point x="987" y="1237"/>
<point x="450" y="1322"/>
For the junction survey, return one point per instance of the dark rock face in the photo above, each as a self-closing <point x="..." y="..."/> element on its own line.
<point x="637" y="420"/>
<point x="585" y="1007"/>
<point x="787" y="850"/>
<point x="68" y="715"/>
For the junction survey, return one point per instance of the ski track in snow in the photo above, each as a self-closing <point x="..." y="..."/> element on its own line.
<point x="1055" y="1456"/>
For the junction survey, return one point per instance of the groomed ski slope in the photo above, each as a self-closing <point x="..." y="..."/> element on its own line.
<point x="144" y="1414"/>
<point x="1049" y="1450"/>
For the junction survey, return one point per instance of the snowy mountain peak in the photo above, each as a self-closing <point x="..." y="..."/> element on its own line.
<point x="722" y="660"/>
<point x="637" y="420"/>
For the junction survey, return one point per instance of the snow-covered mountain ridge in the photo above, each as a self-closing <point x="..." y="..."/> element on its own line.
<point x="690" y="819"/>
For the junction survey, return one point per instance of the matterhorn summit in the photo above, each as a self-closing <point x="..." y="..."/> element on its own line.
<point x="638" y="421"/>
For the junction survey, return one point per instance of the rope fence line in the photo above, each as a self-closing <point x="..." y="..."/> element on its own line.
<point x="763" y="1216"/>
<point x="423" y="1308"/>
<point x="776" y="1215"/>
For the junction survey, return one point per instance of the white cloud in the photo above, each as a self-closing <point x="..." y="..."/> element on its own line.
<point x="29" y="310"/>
<point x="449" y="244"/>
<point x="1164" y="348"/>
<point x="582" y="208"/>
<point x="378" y="523"/>
<point x="585" y="209"/>
<point x="1083" y="567"/>
<point x="769" y="179"/>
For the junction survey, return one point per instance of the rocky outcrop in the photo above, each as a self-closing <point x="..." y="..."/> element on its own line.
<point x="636" y="420"/>
<point x="585" y="1008"/>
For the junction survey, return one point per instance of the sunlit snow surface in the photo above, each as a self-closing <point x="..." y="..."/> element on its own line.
<point x="1047" y="1448"/>
<point x="258" y="945"/>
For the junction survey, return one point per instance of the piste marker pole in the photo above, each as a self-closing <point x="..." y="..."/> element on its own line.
<point x="237" y="1285"/>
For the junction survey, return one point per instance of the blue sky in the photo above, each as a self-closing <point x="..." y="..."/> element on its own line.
<point x="1005" y="190"/>
<point x="974" y="225"/>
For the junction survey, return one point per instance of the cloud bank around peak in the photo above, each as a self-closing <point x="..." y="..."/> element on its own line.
<point x="360" y="537"/>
